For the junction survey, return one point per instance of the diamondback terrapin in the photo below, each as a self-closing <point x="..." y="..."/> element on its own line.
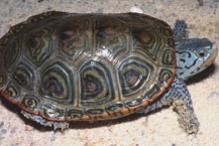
<point x="60" y="67"/>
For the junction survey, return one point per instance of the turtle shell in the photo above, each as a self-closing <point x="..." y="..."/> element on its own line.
<point x="80" y="67"/>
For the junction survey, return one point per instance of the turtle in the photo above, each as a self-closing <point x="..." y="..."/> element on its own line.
<point x="59" y="67"/>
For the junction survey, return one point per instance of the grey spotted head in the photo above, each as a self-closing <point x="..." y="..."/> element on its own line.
<point x="194" y="55"/>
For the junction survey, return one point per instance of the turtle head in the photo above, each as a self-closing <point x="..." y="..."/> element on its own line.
<point x="193" y="56"/>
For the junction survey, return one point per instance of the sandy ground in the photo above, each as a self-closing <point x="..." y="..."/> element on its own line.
<point x="160" y="128"/>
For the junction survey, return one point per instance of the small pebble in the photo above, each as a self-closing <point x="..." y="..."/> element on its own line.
<point x="28" y="128"/>
<point x="1" y="124"/>
<point x="53" y="137"/>
<point x="15" y="144"/>
<point x="136" y="9"/>
<point x="100" y="10"/>
<point x="201" y="2"/>
<point x="142" y="132"/>
<point x="3" y="131"/>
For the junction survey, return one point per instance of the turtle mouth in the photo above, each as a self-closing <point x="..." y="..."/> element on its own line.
<point x="212" y="57"/>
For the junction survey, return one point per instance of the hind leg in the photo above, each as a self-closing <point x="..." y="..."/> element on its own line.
<point x="179" y="97"/>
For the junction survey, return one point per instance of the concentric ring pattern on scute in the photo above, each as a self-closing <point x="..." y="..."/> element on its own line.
<point x="86" y="66"/>
<point x="96" y="84"/>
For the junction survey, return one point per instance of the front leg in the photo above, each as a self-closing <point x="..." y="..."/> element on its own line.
<point x="179" y="97"/>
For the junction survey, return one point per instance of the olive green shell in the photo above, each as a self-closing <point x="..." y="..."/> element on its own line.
<point x="69" y="66"/>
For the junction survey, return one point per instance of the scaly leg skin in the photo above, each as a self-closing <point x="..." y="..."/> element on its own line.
<point x="179" y="97"/>
<point x="180" y="30"/>
<point x="56" y="125"/>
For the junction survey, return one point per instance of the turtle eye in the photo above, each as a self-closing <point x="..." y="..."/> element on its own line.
<point x="201" y="54"/>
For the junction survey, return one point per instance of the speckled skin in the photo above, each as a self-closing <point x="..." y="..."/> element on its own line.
<point x="178" y="97"/>
<point x="46" y="105"/>
<point x="193" y="56"/>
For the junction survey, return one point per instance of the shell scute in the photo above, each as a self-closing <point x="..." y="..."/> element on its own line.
<point x="74" y="37"/>
<point x="57" y="83"/>
<point x="39" y="46"/>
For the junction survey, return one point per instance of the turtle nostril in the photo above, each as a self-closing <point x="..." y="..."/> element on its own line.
<point x="201" y="54"/>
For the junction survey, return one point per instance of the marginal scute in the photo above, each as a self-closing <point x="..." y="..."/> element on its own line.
<point x="164" y="29"/>
<point x="73" y="114"/>
<point x="53" y="112"/>
<point x="3" y="76"/>
<point x="171" y="42"/>
<point x="168" y="57"/>
<point x="30" y="102"/>
<point x="165" y="75"/>
<point x="114" y="107"/>
<point x="95" y="111"/>
<point x="2" y="80"/>
<point x="12" y="91"/>
<point x="134" y="102"/>
<point x="151" y="92"/>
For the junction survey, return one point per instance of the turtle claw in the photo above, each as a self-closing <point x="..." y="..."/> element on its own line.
<point x="186" y="118"/>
